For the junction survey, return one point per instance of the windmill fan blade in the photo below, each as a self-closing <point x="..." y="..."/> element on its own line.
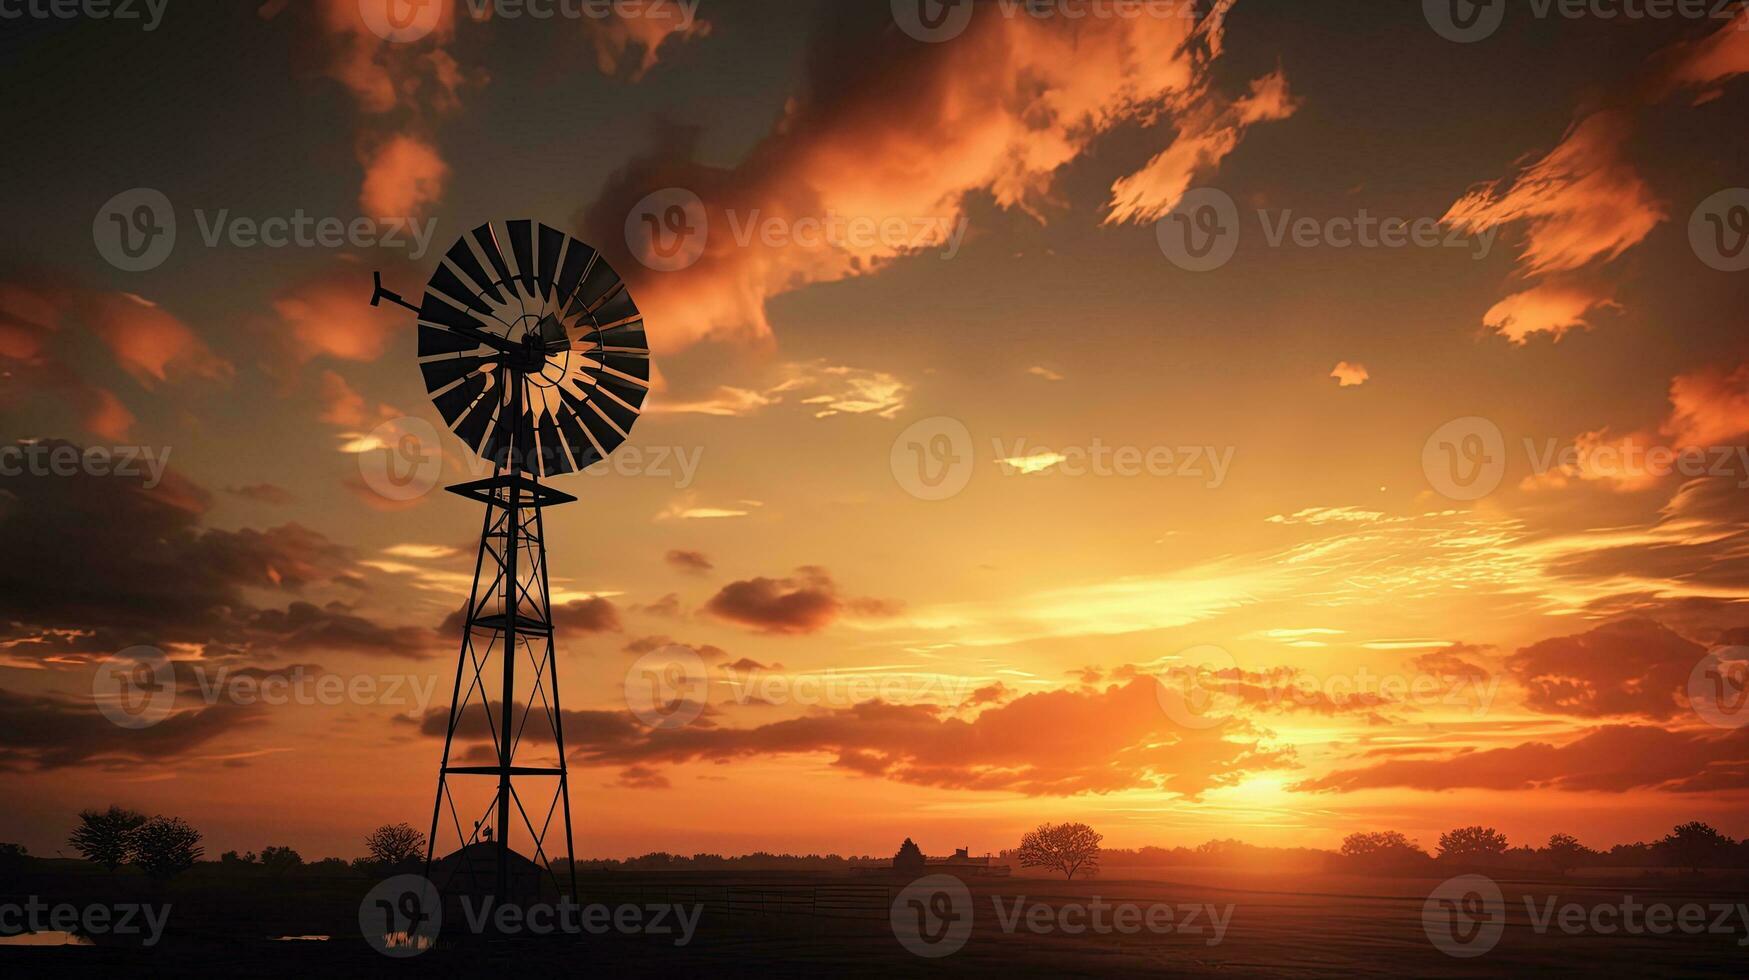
<point x="600" y="280"/>
<point x="433" y="342"/>
<point x="616" y="413"/>
<point x="487" y="238"/>
<point x="522" y="246"/>
<point x="582" y="449"/>
<point x="551" y="240"/>
<point x="435" y="311"/>
<point x="577" y="259"/>
<point x="446" y="371"/>
<point x="619" y="309"/>
<point x="628" y="364"/>
<point x="603" y="434"/>
<point x="554" y="459"/>
<point x="462" y="257"/>
<point x="628" y="338"/>
<point x="473" y="428"/>
<point x="453" y="402"/>
<point x="625" y="391"/>
<point x="449" y="284"/>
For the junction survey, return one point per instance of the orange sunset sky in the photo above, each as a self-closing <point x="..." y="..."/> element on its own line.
<point x="1504" y="470"/>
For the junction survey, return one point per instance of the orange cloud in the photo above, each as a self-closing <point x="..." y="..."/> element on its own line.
<point x="895" y="131"/>
<point x="807" y="603"/>
<point x="150" y="344"/>
<point x="402" y="178"/>
<point x="1349" y="375"/>
<point x="1709" y="406"/>
<point x="1582" y="202"/>
<point x="1552" y="308"/>
<point x="323" y="317"/>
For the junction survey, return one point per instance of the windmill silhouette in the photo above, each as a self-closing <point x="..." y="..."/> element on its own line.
<point x="536" y="358"/>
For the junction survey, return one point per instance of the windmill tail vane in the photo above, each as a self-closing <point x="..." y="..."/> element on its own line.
<point x="534" y="354"/>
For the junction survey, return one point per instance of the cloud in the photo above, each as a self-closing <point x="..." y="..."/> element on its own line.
<point x="827" y="389"/>
<point x="695" y="562"/>
<point x="1552" y="308"/>
<point x="1583" y="204"/>
<point x="52" y="732"/>
<point x="1349" y="375"/>
<point x="263" y="493"/>
<point x="402" y="179"/>
<point x="1044" y="372"/>
<point x="1610" y="759"/>
<point x="889" y="129"/>
<point x="1211" y="129"/>
<point x="1708" y="407"/>
<point x="1632" y="667"/>
<point x="806" y="603"/>
<point x="149" y="571"/>
<point x="150" y="344"/>
<point x="322" y="317"/>
<point x="596" y="615"/>
<point x="615" y="39"/>
<point x="1055" y="743"/>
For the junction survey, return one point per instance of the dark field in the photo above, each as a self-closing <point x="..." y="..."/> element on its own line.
<point x="1234" y="924"/>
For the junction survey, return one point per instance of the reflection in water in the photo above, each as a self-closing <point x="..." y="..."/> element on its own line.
<point x="300" y="939"/>
<point x="403" y="940"/>
<point x="46" y="939"/>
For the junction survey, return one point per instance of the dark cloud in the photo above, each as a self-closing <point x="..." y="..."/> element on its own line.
<point x="50" y="732"/>
<point x="1612" y="759"/>
<point x="1630" y="667"/>
<point x="263" y="493"/>
<point x="689" y="561"/>
<point x="806" y="603"/>
<point x="593" y="615"/>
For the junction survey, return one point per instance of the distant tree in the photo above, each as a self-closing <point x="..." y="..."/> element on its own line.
<point x="12" y="859"/>
<point x="231" y="859"/>
<point x="1471" y="844"/>
<point x="1382" y="850"/>
<point x="1065" y="847"/>
<point x="106" y="836"/>
<point x="330" y="865"/>
<point x="1695" y="845"/>
<point x="164" y="847"/>
<point x="1565" y="852"/>
<point x="909" y="860"/>
<point x="395" y="844"/>
<point x="279" y="860"/>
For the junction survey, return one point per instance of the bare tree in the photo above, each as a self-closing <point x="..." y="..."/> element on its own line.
<point x="1065" y="847"/>
<point x="106" y="836"/>
<point x="164" y="847"/>
<point x="395" y="843"/>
